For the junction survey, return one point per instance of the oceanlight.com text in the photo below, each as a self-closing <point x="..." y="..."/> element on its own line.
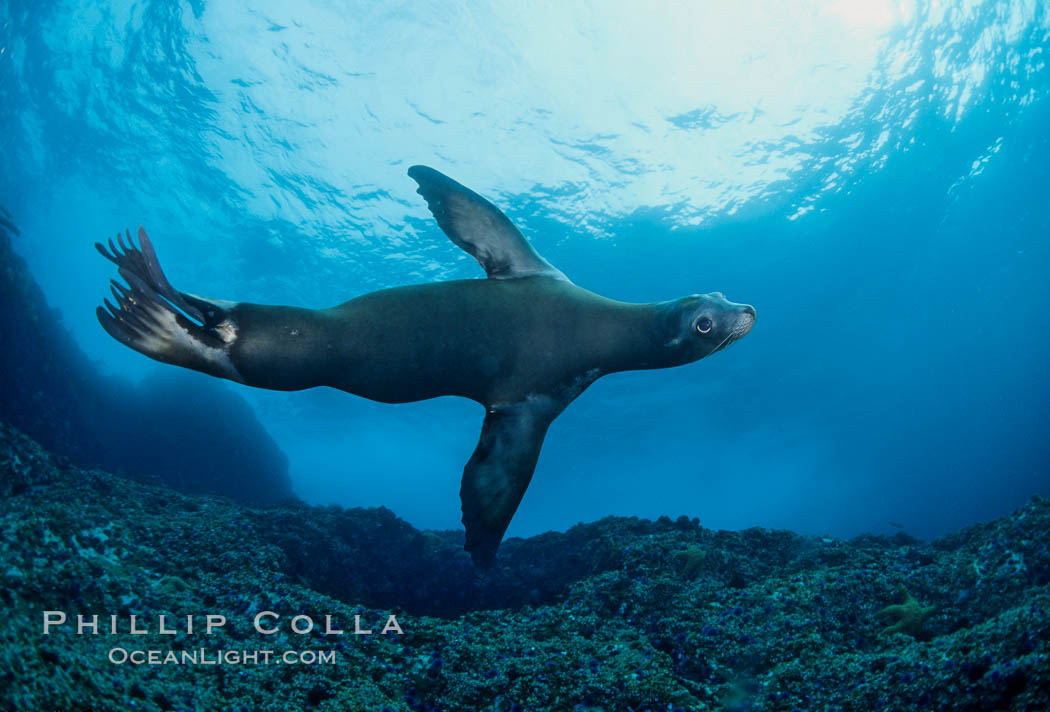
<point x="203" y="656"/>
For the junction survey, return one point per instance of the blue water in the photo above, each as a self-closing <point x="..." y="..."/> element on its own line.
<point x="873" y="177"/>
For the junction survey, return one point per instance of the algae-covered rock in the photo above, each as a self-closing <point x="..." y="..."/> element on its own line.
<point x="770" y="620"/>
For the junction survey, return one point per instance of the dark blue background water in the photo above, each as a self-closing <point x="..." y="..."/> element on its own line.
<point x="875" y="181"/>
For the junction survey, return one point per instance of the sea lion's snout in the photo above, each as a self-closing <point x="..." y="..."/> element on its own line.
<point x="744" y="321"/>
<point x="742" y="315"/>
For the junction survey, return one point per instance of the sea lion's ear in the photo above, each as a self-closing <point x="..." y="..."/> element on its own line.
<point x="478" y="226"/>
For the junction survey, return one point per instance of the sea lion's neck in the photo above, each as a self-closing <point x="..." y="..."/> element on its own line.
<point x="644" y="337"/>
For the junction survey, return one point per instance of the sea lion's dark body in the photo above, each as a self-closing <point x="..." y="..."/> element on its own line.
<point x="524" y="342"/>
<point x="488" y="340"/>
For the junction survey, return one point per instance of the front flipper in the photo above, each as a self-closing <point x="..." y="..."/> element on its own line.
<point x="480" y="228"/>
<point x="499" y="471"/>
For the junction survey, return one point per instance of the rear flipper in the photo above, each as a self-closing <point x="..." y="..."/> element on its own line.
<point x="156" y="320"/>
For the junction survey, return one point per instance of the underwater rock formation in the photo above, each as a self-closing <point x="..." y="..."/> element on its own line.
<point x="602" y="617"/>
<point x="48" y="384"/>
<point x="158" y="428"/>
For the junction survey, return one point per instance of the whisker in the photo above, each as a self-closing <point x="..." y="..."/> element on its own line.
<point x="727" y="338"/>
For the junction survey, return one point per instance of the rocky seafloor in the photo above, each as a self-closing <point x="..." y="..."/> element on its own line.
<point x="619" y="614"/>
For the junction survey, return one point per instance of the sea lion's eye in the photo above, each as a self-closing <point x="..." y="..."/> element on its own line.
<point x="704" y="326"/>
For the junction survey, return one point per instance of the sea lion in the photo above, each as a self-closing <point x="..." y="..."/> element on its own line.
<point x="524" y="342"/>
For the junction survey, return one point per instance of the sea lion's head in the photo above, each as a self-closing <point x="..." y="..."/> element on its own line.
<point x="706" y="323"/>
